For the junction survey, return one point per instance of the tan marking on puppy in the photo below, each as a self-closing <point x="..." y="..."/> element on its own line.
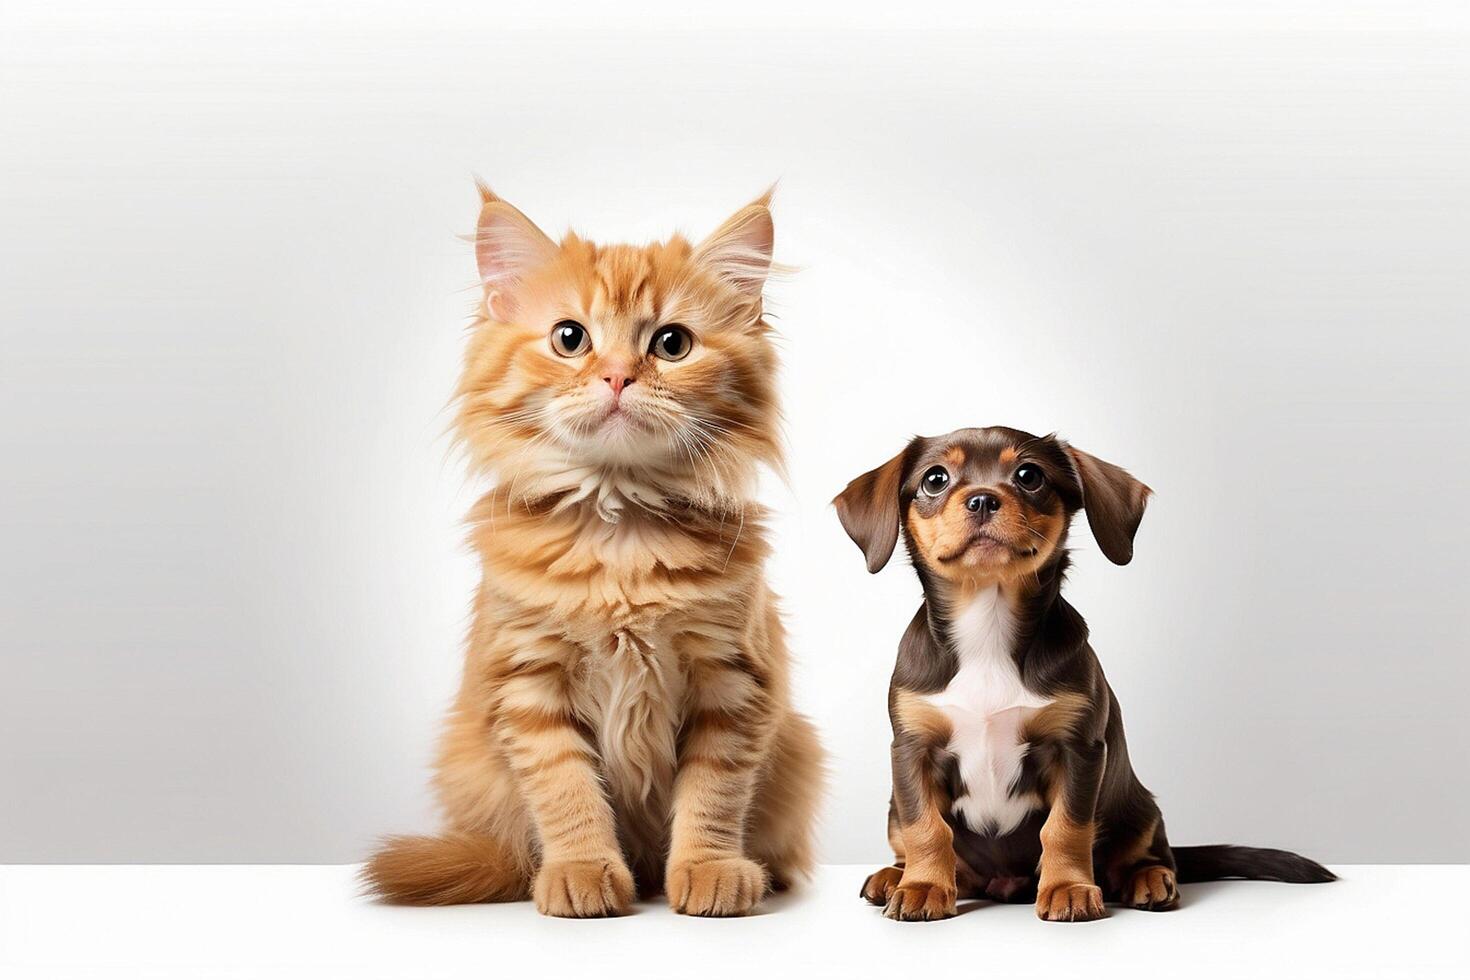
<point x="917" y="715"/>
<point x="881" y="884"/>
<point x="928" y="844"/>
<point x="1062" y="717"/>
<point x="927" y="888"/>
<point x="1043" y="532"/>
<point x="941" y="539"/>
<point x="1068" y="902"/>
<point x="1066" y="891"/>
<point x="921" y="902"/>
<point x="942" y="534"/>
<point x="1133" y="873"/>
<point x="955" y="457"/>
<point x="1128" y="855"/>
<point x="923" y="531"/>
<point x="1008" y="456"/>
<point x="1153" y="888"/>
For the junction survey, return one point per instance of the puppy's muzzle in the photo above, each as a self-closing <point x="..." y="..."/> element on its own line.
<point x="983" y="506"/>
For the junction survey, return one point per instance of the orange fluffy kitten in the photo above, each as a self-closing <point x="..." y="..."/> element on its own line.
<point x="624" y="722"/>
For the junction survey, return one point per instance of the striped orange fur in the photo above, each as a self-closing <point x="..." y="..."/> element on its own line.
<point x="624" y="724"/>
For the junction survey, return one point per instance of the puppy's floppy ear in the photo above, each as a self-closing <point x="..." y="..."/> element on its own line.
<point x="868" y="509"/>
<point x="1114" y="502"/>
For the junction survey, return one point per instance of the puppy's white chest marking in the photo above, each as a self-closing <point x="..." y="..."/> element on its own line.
<point x="988" y="706"/>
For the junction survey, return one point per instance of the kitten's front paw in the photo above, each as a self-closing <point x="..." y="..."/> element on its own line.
<point x="725" y="886"/>
<point x="1070" y="902"/>
<point x="583" y="889"/>
<point x="919" y="901"/>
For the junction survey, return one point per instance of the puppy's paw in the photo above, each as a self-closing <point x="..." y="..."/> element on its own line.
<point x="919" y="901"/>
<point x="1152" y="889"/>
<point x="583" y="889"/>
<point x="725" y="886"/>
<point x="878" y="889"/>
<point x="1070" y="902"/>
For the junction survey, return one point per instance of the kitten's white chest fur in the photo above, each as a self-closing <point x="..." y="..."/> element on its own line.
<point x="987" y="705"/>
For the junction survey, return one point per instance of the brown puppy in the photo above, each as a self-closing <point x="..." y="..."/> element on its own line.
<point x="1010" y="771"/>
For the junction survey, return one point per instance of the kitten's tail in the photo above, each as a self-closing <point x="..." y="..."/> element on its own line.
<point x="1213" y="862"/>
<point x="451" y="869"/>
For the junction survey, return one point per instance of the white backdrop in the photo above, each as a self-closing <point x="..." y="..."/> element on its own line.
<point x="1221" y="244"/>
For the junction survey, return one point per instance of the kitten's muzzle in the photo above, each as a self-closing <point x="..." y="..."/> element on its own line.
<point x="617" y="382"/>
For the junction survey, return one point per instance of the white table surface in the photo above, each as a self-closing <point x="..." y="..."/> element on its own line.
<point x="308" y="921"/>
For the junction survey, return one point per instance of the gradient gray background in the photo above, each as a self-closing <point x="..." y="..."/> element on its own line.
<point x="1224" y="245"/>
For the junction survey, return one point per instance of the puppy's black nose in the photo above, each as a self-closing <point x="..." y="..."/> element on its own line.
<point x="983" y="504"/>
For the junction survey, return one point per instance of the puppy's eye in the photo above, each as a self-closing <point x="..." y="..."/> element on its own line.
<point x="672" y="343"/>
<point x="934" y="481"/>
<point x="569" y="338"/>
<point x="1030" y="477"/>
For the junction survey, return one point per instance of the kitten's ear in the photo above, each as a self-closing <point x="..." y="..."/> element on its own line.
<point x="868" y="509"/>
<point x="1114" y="502"/>
<point x="508" y="245"/>
<point x="739" y="251"/>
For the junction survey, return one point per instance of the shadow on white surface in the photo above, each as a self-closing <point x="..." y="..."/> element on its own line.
<point x="59" y="922"/>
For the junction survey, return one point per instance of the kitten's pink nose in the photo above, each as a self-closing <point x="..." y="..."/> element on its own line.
<point x="617" y="381"/>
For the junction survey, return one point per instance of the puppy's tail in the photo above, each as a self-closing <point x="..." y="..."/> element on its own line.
<point x="451" y="869"/>
<point x="1213" y="862"/>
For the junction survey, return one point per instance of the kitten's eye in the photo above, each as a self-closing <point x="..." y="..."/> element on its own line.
<point x="1029" y="477"/>
<point x="569" y="338"/>
<point x="672" y="343"/>
<point x="934" y="481"/>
